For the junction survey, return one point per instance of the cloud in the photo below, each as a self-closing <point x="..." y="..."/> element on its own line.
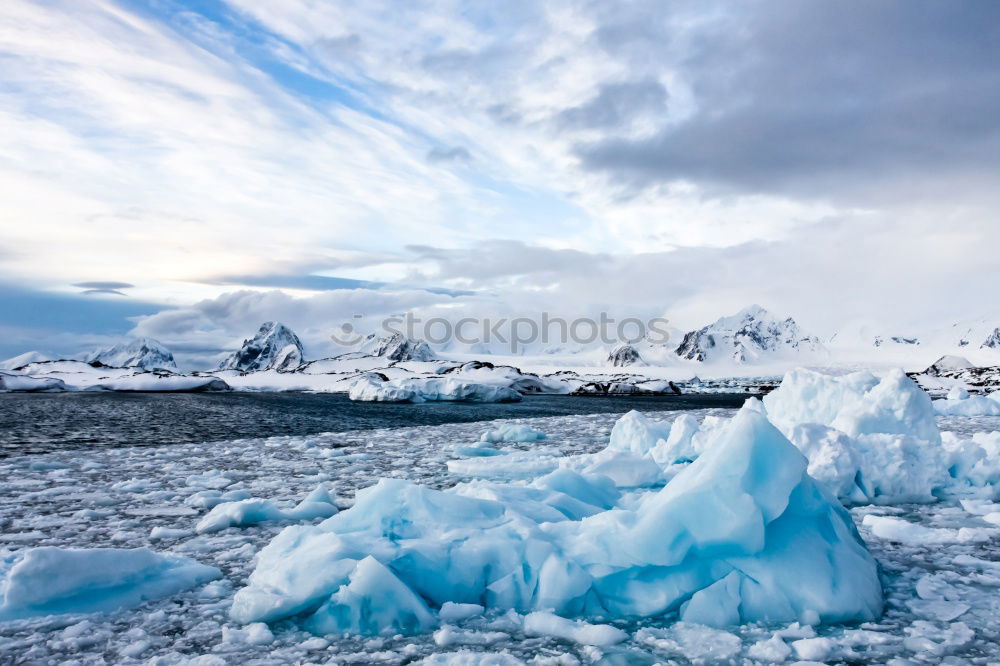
<point x="870" y="103"/>
<point x="440" y="154"/>
<point x="616" y="105"/>
<point x="113" y="292"/>
<point x="100" y="288"/>
<point x="103" y="285"/>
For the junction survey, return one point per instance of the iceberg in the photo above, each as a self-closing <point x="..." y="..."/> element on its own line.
<point x="15" y="382"/>
<point x="868" y="439"/>
<point x="959" y="403"/>
<point x="50" y="580"/>
<point x="166" y="383"/>
<point x="742" y="534"/>
<point x="371" y="387"/>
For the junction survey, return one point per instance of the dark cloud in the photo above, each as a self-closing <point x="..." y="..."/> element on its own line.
<point x="616" y="105"/>
<point x="103" y="285"/>
<point x="440" y="154"/>
<point x="113" y="292"/>
<point x="865" y="99"/>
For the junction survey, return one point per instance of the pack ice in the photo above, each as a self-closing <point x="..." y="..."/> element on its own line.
<point x="741" y="534"/>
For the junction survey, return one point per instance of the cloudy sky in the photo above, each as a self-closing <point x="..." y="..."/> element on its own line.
<point x="189" y="169"/>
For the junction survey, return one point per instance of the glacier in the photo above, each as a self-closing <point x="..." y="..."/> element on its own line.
<point x="742" y="534"/>
<point x="373" y="387"/>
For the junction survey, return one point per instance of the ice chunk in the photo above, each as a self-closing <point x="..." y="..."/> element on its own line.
<point x="51" y="580"/>
<point x="547" y="624"/>
<point x="772" y="651"/>
<point x="511" y="465"/>
<point x="742" y="534"/>
<point x="638" y="434"/>
<point x="896" y="529"/>
<point x="814" y="649"/>
<point x="692" y="642"/>
<point x="243" y="513"/>
<point x="512" y="432"/>
<point x="856" y="404"/>
<point x="867" y="439"/>
<point x="960" y="403"/>
<point x="257" y="633"/>
<point x="372" y="602"/>
<point x="451" y="612"/>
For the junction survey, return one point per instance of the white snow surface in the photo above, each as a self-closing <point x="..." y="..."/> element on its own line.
<point x="23" y="359"/>
<point x="80" y="376"/>
<point x="940" y="598"/>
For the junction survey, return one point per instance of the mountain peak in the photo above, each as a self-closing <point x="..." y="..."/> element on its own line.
<point x="274" y="347"/>
<point x="747" y="336"/>
<point x="624" y="355"/>
<point x="398" y="347"/>
<point x="145" y="353"/>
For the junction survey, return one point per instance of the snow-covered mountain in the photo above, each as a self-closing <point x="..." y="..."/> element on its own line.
<point x="992" y="340"/>
<point x="23" y="359"/>
<point x="397" y="347"/>
<point x="625" y="355"/>
<point x="860" y="342"/>
<point x="751" y="335"/>
<point x="274" y="347"/>
<point x="145" y="353"/>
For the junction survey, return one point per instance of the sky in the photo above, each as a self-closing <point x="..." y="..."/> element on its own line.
<point x="187" y="170"/>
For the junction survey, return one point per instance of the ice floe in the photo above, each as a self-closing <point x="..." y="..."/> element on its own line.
<point x="50" y="580"/>
<point x="252" y="511"/>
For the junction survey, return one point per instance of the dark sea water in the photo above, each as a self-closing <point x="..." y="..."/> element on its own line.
<point x="41" y="423"/>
